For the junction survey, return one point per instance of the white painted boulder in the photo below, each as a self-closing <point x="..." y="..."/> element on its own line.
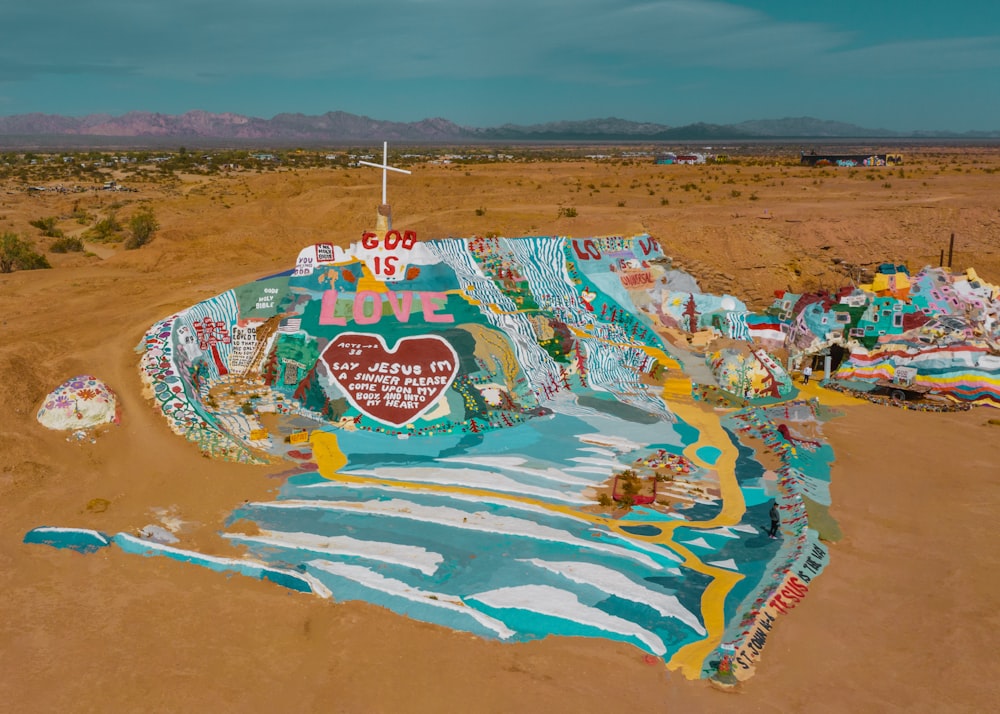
<point x="81" y="402"/>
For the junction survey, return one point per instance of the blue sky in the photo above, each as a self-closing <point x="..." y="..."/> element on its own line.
<point x="894" y="64"/>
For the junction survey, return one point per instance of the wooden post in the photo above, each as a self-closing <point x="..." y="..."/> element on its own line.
<point x="951" y="248"/>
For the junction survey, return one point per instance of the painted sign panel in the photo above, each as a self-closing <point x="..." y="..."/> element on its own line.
<point x="392" y="386"/>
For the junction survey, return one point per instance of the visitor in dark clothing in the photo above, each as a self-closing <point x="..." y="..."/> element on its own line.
<point x="775" y="521"/>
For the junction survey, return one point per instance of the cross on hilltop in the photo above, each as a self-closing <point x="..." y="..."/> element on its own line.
<point x="385" y="167"/>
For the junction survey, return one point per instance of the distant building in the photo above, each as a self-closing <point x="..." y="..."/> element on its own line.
<point x="669" y="157"/>
<point x="814" y="159"/>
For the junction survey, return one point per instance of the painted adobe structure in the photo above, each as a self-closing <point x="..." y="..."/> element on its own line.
<point x="943" y="325"/>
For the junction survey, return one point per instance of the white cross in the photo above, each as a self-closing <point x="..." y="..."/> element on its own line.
<point x="385" y="167"/>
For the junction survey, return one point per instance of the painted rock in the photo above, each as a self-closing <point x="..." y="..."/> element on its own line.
<point x="81" y="402"/>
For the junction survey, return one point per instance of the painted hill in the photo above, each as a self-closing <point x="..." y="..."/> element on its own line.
<point x="495" y="435"/>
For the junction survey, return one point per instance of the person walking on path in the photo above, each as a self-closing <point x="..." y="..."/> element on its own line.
<point x="775" y="520"/>
<point x="807" y="372"/>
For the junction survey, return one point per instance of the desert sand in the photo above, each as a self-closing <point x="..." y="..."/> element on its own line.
<point x="902" y="619"/>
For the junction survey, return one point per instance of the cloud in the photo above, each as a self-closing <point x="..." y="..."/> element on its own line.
<point x="933" y="55"/>
<point x="603" y="40"/>
<point x="470" y="57"/>
<point x="598" y="41"/>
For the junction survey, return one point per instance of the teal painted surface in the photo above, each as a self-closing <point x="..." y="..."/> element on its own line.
<point x="709" y="454"/>
<point x="474" y="504"/>
<point x="78" y="539"/>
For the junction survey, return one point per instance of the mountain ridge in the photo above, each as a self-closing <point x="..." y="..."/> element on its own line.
<point x="343" y="127"/>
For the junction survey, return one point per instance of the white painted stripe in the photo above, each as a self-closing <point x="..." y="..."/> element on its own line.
<point x="397" y="588"/>
<point x="618" y="443"/>
<point x="238" y="564"/>
<point x="600" y="452"/>
<point x="564" y="605"/>
<point x="614" y="583"/>
<point x="723" y="532"/>
<point x="643" y="545"/>
<point x="592" y="460"/>
<point x="599" y="470"/>
<point x="515" y="465"/>
<point x="698" y="542"/>
<point x="97" y="535"/>
<point x="409" y="556"/>
<point x="469" y="478"/>
<point x="456" y="518"/>
<point x="729" y="564"/>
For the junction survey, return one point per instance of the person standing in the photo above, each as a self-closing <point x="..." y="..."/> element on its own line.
<point x="806" y="373"/>
<point x="775" y="520"/>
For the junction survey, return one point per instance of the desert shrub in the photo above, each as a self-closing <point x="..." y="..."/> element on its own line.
<point x="66" y="245"/>
<point x="17" y="254"/>
<point x="141" y="226"/>
<point x="80" y="214"/>
<point x="106" y="230"/>
<point x="47" y="226"/>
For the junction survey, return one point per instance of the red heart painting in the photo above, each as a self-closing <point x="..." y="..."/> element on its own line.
<point x="393" y="386"/>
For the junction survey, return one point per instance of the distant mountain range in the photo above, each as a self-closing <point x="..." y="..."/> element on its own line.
<point x="139" y="128"/>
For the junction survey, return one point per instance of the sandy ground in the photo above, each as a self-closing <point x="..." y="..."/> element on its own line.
<point x="903" y="618"/>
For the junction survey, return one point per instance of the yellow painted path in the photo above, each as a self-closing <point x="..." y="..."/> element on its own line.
<point x="330" y="460"/>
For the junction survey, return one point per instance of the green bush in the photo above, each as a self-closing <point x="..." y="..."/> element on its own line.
<point x="105" y="230"/>
<point x="142" y="226"/>
<point x="17" y="254"/>
<point x="47" y="226"/>
<point x="66" y="245"/>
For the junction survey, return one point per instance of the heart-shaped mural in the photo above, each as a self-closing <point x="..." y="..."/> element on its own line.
<point x="393" y="386"/>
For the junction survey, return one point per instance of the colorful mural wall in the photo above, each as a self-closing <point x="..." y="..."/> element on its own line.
<point x="943" y="325"/>
<point x="814" y="159"/>
<point x="497" y="435"/>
